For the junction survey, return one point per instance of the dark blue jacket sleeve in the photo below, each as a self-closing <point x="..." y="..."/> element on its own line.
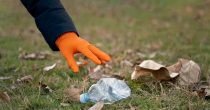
<point x="51" y="19"/>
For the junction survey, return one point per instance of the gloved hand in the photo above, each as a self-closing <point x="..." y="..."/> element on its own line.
<point x="69" y="44"/>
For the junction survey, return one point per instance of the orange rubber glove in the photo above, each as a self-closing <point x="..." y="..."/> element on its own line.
<point x="69" y="44"/>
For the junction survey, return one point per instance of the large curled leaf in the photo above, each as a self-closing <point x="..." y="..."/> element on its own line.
<point x="189" y="73"/>
<point x="160" y="72"/>
<point x="186" y="71"/>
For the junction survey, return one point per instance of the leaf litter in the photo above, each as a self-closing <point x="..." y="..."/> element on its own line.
<point x="73" y="94"/>
<point x="45" y="88"/>
<point x="25" y="79"/>
<point x="5" y="97"/>
<point x="5" y="78"/>
<point x="48" y="68"/>
<point x="34" y="56"/>
<point x="184" y="72"/>
<point x="97" y="106"/>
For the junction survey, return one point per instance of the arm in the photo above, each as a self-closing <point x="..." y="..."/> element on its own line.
<point x="51" y="19"/>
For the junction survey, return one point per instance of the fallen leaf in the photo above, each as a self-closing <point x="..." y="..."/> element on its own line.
<point x="151" y="65"/>
<point x="154" y="46"/>
<point x="45" y="88"/>
<point x="82" y="62"/>
<point x="5" y="78"/>
<point x="185" y="71"/>
<point x="34" y="56"/>
<point x="132" y="107"/>
<point x="5" y="97"/>
<point x="141" y="55"/>
<point x="175" y="67"/>
<point x="48" y="68"/>
<point x="147" y="67"/>
<point x="96" y="73"/>
<point x="139" y="72"/>
<point x="152" y="55"/>
<point x="189" y="73"/>
<point x="202" y="90"/>
<point x="25" y="79"/>
<point x="126" y="63"/>
<point x="97" y="106"/>
<point x="65" y="104"/>
<point x="73" y="94"/>
<point x="120" y="77"/>
<point x="100" y="71"/>
<point x="207" y="93"/>
<point x="13" y="86"/>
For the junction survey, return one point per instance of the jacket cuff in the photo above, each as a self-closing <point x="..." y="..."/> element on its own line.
<point x="53" y="24"/>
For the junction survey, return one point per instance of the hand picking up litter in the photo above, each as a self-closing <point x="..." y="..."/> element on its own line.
<point x="60" y="33"/>
<point x="70" y="43"/>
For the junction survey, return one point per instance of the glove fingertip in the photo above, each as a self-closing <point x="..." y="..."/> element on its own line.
<point x="98" y="62"/>
<point x="108" y="58"/>
<point x="75" y="69"/>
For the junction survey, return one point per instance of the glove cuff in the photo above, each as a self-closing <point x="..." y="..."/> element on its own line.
<point x="68" y="35"/>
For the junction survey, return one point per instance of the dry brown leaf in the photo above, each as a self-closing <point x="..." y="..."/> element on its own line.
<point x="132" y="107"/>
<point x="202" y="90"/>
<point x="152" y="55"/>
<point x="5" y="97"/>
<point x="48" y="68"/>
<point x="25" y="79"/>
<point x="45" y="88"/>
<point x="154" y="46"/>
<point x="189" y="73"/>
<point x="73" y="94"/>
<point x="175" y="67"/>
<point x="101" y="71"/>
<point x="118" y="76"/>
<point x="150" y="65"/>
<point x="141" y="55"/>
<point x="5" y="78"/>
<point x="82" y="62"/>
<point x="97" y="72"/>
<point x="34" y="56"/>
<point x="97" y="106"/>
<point x="160" y="72"/>
<point x="65" y="104"/>
<point x="207" y="93"/>
<point x="139" y="72"/>
<point x="126" y="63"/>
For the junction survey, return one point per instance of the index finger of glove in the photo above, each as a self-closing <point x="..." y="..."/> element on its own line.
<point x="100" y="54"/>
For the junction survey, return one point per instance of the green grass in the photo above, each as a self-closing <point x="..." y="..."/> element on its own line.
<point x="179" y="28"/>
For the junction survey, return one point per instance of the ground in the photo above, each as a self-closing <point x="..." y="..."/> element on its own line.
<point x="171" y="29"/>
